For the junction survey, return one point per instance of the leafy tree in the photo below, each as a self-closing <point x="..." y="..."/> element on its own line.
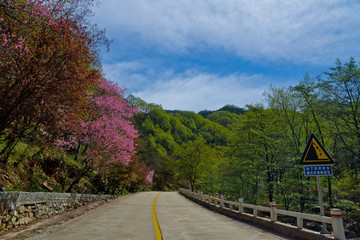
<point x="106" y="138"/>
<point x="308" y="92"/>
<point x="211" y="180"/>
<point x="44" y="72"/>
<point x="312" y="106"/>
<point x="140" y="176"/>
<point x="142" y="105"/>
<point x="190" y="159"/>
<point x="341" y="93"/>
<point x="287" y="106"/>
<point x="255" y="149"/>
<point x="348" y="188"/>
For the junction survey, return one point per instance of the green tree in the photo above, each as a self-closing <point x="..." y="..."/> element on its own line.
<point x="256" y="147"/>
<point x="191" y="159"/>
<point x="311" y="105"/>
<point x="341" y="93"/>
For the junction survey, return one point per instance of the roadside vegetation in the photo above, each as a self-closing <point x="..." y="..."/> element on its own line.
<point x="63" y="126"/>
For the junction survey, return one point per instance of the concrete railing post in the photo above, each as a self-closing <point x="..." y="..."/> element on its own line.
<point x="221" y="200"/>
<point x="241" y="207"/>
<point x="337" y="224"/>
<point x="300" y="222"/>
<point x="273" y="214"/>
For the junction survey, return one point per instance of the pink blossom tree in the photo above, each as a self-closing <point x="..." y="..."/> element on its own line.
<point x="130" y="177"/>
<point x="44" y="72"/>
<point x="149" y="177"/>
<point x="108" y="136"/>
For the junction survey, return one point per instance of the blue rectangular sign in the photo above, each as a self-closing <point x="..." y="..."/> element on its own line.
<point x="318" y="170"/>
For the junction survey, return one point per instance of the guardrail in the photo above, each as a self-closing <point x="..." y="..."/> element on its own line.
<point x="238" y="207"/>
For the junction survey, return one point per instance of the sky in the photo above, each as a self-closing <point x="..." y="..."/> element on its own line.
<point x="203" y="54"/>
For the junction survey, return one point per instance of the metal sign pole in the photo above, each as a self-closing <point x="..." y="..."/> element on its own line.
<point x="322" y="211"/>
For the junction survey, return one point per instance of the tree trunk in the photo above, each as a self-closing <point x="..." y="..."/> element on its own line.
<point x="330" y="193"/>
<point x="22" y="157"/>
<point x="81" y="173"/>
<point x="8" y="149"/>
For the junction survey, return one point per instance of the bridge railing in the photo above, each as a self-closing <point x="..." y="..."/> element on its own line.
<point x="335" y="220"/>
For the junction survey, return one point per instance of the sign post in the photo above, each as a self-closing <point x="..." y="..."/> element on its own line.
<point x="317" y="162"/>
<point x="321" y="203"/>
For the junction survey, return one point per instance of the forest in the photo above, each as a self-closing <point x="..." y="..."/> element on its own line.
<point x="254" y="152"/>
<point x="64" y="127"/>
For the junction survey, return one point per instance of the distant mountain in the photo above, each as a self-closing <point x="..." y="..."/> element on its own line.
<point x="233" y="109"/>
<point x="228" y="108"/>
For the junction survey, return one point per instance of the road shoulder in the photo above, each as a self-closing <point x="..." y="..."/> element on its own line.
<point x="47" y="225"/>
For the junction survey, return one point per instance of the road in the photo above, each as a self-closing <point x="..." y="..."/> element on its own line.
<point x="131" y="217"/>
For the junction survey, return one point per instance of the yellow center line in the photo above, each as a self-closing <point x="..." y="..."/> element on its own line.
<point x="156" y="223"/>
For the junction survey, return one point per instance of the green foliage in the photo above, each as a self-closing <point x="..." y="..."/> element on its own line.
<point x="205" y="113"/>
<point x="224" y="118"/>
<point x="141" y="104"/>
<point x="191" y="159"/>
<point x="164" y="131"/>
<point x="348" y="187"/>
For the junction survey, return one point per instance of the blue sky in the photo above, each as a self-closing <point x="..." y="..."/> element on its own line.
<point x="204" y="54"/>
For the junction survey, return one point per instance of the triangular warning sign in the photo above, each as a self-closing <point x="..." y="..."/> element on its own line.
<point x="315" y="153"/>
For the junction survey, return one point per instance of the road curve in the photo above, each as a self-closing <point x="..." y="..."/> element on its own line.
<point x="131" y="217"/>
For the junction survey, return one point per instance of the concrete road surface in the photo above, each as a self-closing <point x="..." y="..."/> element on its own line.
<point x="130" y="217"/>
<point x="180" y="218"/>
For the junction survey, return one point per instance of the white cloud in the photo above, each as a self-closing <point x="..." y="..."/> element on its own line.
<point x="198" y="91"/>
<point x="126" y="74"/>
<point x="302" y="33"/>
<point x="295" y="31"/>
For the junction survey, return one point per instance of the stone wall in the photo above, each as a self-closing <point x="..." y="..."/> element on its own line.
<point x="21" y="208"/>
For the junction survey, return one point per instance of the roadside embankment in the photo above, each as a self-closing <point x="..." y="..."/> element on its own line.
<point x="21" y="208"/>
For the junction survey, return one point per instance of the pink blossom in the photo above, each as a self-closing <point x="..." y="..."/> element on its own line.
<point x="110" y="137"/>
<point x="149" y="177"/>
